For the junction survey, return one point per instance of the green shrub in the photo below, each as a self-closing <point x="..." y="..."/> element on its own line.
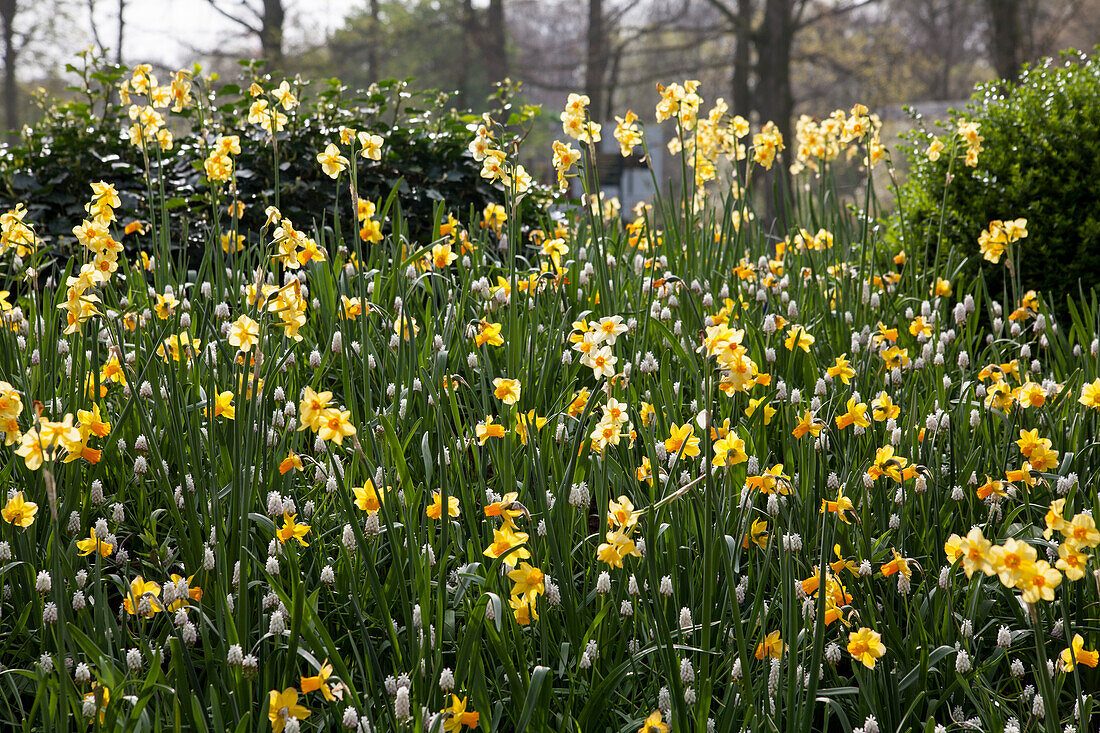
<point x="1041" y="153"/>
<point x="79" y="141"/>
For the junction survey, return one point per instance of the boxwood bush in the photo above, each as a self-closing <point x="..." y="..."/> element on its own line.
<point x="1040" y="157"/>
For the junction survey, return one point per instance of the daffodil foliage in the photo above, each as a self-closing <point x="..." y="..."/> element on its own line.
<point x="666" y="469"/>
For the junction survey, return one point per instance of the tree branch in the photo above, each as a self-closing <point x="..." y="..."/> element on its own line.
<point x="95" y="26"/>
<point x="240" y="21"/>
<point x="729" y="14"/>
<point x="836" y="12"/>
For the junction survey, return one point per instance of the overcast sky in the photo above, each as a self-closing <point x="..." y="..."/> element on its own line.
<point x="171" y="31"/>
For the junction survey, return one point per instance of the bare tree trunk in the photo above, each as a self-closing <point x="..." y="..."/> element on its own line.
<point x="742" y="59"/>
<point x="774" y="99"/>
<point x="1006" y="38"/>
<point x="372" y="42"/>
<point x="496" y="54"/>
<point x="956" y="33"/>
<point x="11" y="92"/>
<point x="596" y="57"/>
<point x="612" y="83"/>
<point x="469" y="38"/>
<point x="121" y="27"/>
<point x="271" y="32"/>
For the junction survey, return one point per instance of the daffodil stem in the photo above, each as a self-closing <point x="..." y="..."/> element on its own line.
<point x="1042" y="675"/>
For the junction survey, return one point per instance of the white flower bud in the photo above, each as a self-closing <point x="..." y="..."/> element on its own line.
<point x="687" y="674"/>
<point x="686" y="623"/>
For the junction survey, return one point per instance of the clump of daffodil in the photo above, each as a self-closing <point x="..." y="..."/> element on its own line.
<point x="510" y="544"/>
<point x="622" y="519"/>
<point x="996" y="238"/>
<point x="528" y="583"/>
<point x="329" y="423"/>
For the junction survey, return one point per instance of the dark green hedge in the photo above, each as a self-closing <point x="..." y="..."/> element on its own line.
<point x="78" y="142"/>
<point x="1041" y="161"/>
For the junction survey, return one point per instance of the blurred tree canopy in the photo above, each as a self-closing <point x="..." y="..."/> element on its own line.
<point x="451" y="45"/>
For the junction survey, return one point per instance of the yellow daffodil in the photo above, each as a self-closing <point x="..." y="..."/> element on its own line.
<point x="618" y="546"/>
<point x="292" y="530"/>
<point x="282" y="706"/>
<point x="19" y="512"/>
<point x="529" y="581"/>
<point x="1013" y="561"/>
<point x="773" y="479"/>
<point x="100" y="697"/>
<point x="1038" y="581"/>
<point x="312" y="408"/>
<point x="772" y="646"/>
<point x="866" y="646"/>
<point x="1090" y="394"/>
<point x="370" y="145"/>
<point x="527" y="420"/>
<point x="332" y="163"/>
<point x="367" y="498"/>
<point x="441" y="256"/>
<point x="505" y="508"/>
<point x="1071" y="561"/>
<point x="840" y="506"/>
<point x="898" y="564"/>
<point x="856" y="415"/>
<point x="507" y="390"/>
<point x="808" y="425"/>
<point x="244" y="333"/>
<point x="194" y="593"/>
<point x="335" y="425"/>
<point x="435" y="509"/>
<point x="522" y="611"/>
<point x="729" y="451"/>
<point x="319" y="681"/>
<point x="292" y="462"/>
<point x="757" y="535"/>
<point x="223" y="405"/>
<point x="142" y="591"/>
<point x="841" y="370"/>
<point x="488" y="333"/>
<point x="798" y="338"/>
<point x="976" y="553"/>
<point x="1081" y="531"/>
<point x="682" y="439"/>
<point x="655" y="723"/>
<point x="456" y="717"/>
<point x="620" y="513"/>
<point x="94" y="544"/>
<point x="883" y="408"/>
<point x="488" y="429"/>
<point x="507" y="543"/>
<point x="1077" y="654"/>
